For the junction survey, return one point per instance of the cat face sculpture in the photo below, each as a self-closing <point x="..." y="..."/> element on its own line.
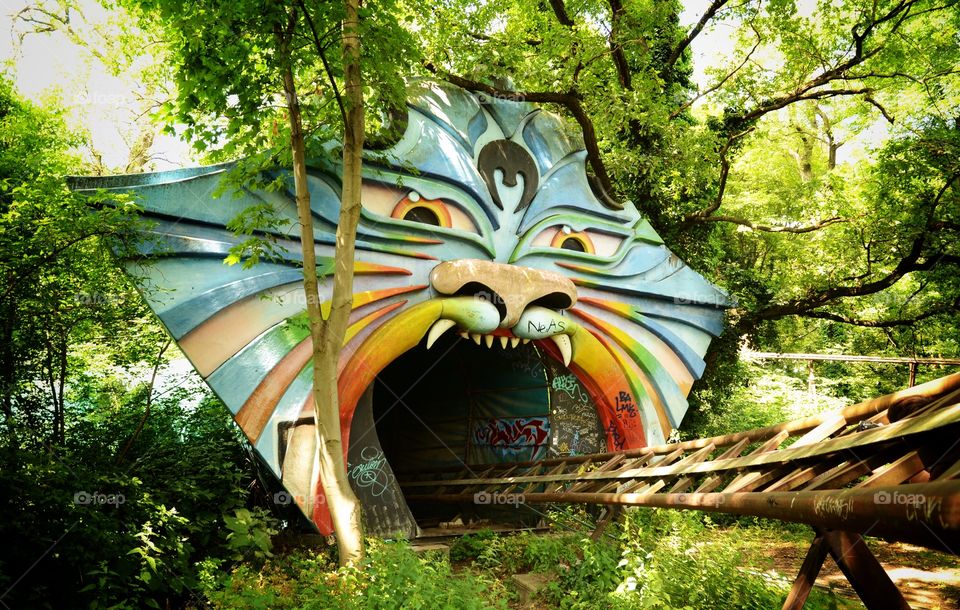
<point x="479" y="222"/>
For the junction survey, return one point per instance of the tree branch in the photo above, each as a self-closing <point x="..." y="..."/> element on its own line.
<point x="561" y="12"/>
<point x="806" y="94"/>
<point x="936" y="311"/>
<point x="914" y="260"/>
<point x="877" y="105"/>
<point x="774" y="229"/>
<point x="715" y="6"/>
<point x="323" y="58"/>
<point x="859" y="33"/>
<point x="699" y="215"/>
<point x="616" y="49"/>
<point x="722" y="81"/>
<point x="149" y="402"/>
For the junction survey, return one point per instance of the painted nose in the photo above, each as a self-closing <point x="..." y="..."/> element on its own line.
<point x="510" y="288"/>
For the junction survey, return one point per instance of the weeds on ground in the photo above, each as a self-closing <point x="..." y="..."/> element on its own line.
<point x="651" y="560"/>
<point x="391" y="576"/>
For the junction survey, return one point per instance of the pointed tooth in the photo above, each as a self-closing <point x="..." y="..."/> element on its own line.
<point x="514" y="341"/>
<point x="488" y="339"/>
<point x="503" y="342"/>
<point x="439" y="327"/>
<point x="464" y="335"/>
<point x="563" y="344"/>
<point x="476" y="338"/>
<point x="525" y="341"/>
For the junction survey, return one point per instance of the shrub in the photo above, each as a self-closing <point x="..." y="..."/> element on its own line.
<point x="391" y="576"/>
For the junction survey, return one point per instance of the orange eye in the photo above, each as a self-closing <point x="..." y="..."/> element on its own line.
<point x="410" y="206"/>
<point x="576" y="242"/>
<point x="589" y="241"/>
<point x="425" y="211"/>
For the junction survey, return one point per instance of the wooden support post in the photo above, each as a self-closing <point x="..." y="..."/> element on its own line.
<point x="808" y="574"/>
<point x="610" y="513"/>
<point x="913" y="374"/>
<point x="871" y="582"/>
<point x="811" y="382"/>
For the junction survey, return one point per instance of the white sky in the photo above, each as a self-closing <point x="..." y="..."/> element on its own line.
<point x="104" y="104"/>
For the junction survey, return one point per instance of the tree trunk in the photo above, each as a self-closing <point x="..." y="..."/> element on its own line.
<point x="8" y="363"/>
<point x="327" y="335"/>
<point x="348" y="524"/>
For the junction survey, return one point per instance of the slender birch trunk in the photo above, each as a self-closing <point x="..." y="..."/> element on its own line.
<point x="327" y="335"/>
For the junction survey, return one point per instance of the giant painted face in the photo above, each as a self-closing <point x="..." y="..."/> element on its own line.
<point x="501" y="312"/>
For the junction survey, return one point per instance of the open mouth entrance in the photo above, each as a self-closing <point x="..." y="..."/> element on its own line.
<point x="459" y="404"/>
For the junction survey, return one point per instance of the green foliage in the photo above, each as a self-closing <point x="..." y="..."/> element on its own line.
<point x="470" y="545"/>
<point x="660" y="559"/>
<point x="60" y="284"/>
<point x="250" y="533"/>
<point x="391" y="576"/>
<point x="525" y="552"/>
<point x="229" y="88"/>
<point x="766" y="397"/>
<point x="129" y="531"/>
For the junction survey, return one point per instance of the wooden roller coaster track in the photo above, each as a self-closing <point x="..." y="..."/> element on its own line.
<point x="888" y="467"/>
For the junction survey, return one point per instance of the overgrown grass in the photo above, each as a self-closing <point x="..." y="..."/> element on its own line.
<point x="391" y="576"/>
<point x="653" y="559"/>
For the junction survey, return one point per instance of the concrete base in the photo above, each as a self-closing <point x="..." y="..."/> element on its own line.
<point x="528" y="585"/>
<point x="440" y="550"/>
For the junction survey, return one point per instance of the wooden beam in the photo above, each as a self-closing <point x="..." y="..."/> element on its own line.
<point x="807" y="576"/>
<point x="871" y="582"/>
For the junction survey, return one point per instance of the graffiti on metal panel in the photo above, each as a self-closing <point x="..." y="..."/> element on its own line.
<point x="372" y="472"/>
<point x="569" y="385"/>
<point x="515" y="433"/>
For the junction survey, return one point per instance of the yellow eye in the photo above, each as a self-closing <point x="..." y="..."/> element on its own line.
<point x="576" y="242"/>
<point x="425" y="211"/>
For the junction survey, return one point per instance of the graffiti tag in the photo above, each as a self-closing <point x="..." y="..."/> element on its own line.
<point x="836" y="507"/>
<point x="512" y="433"/>
<point x="372" y="472"/>
<point x="569" y="385"/>
<point x="625" y="404"/>
<point x="613" y="433"/>
<point x="553" y="326"/>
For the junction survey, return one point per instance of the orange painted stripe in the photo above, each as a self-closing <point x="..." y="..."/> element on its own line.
<point x="259" y="406"/>
<point x="363" y="268"/>
<point x="365" y="298"/>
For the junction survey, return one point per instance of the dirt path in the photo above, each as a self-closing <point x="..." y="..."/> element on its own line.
<point x="928" y="579"/>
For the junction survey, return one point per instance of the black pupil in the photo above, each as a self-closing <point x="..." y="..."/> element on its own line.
<point x="423" y="215"/>
<point x="572" y="243"/>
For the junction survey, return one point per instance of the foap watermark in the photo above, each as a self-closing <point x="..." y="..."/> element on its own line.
<point x="285" y="498"/>
<point x="97" y="98"/>
<point x="101" y="299"/>
<point x="497" y="498"/>
<point x="896" y="497"/>
<point x="96" y="498"/>
<point x="713" y="299"/>
<point x="703" y="499"/>
<point x="491" y="297"/>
